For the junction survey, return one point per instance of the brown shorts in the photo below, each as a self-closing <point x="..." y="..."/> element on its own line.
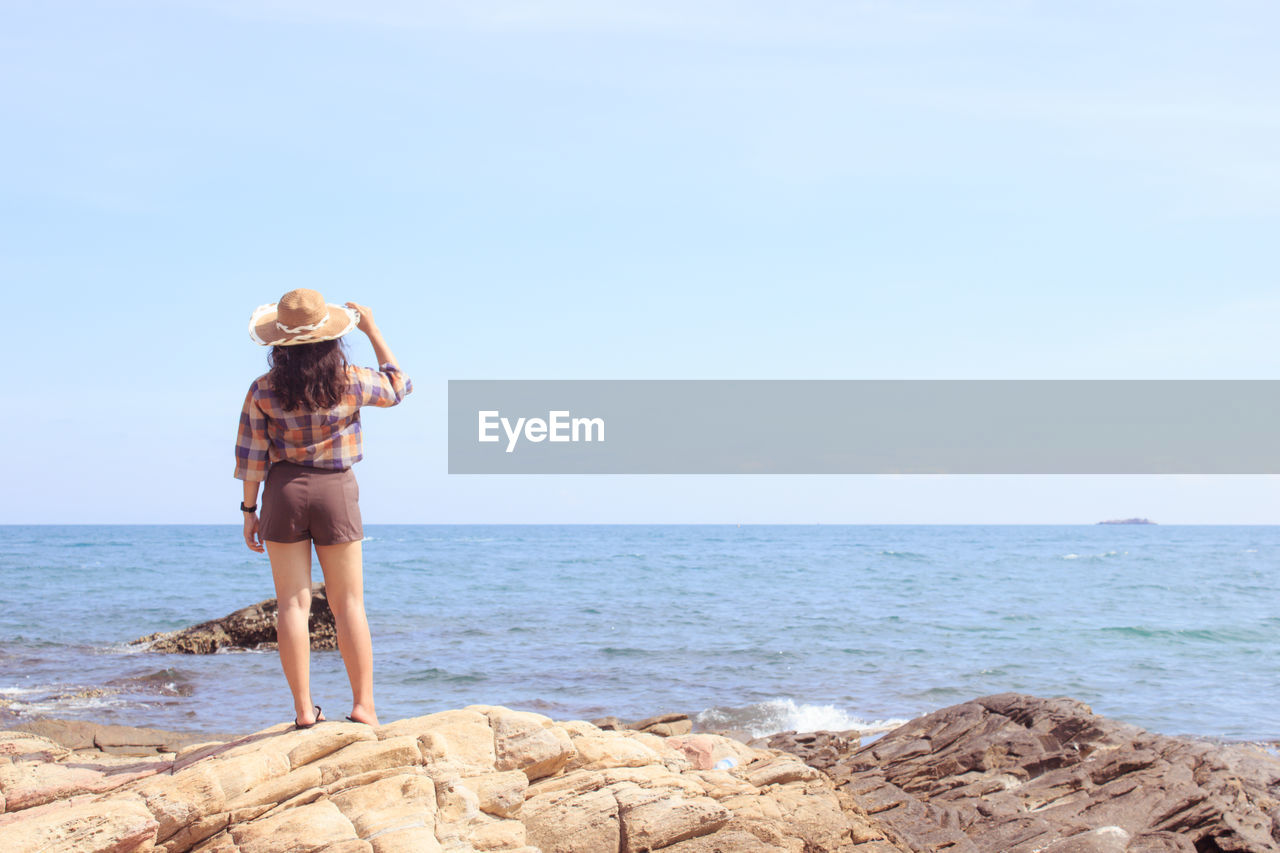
<point x="300" y="502"/>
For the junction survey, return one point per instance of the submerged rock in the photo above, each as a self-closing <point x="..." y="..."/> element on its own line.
<point x="90" y="737"/>
<point x="252" y="627"/>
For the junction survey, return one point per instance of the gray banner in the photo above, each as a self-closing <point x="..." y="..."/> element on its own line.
<point x="972" y="426"/>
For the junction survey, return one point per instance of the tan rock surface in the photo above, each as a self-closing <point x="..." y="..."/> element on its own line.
<point x="529" y="742"/>
<point x="27" y="746"/>
<point x="499" y="794"/>
<point x="484" y="779"/>
<point x="118" y="823"/>
<point x="610" y="749"/>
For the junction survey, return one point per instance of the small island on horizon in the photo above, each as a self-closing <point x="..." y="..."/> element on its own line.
<point x="1128" y="521"/>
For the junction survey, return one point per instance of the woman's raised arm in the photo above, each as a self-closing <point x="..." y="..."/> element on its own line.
<point x="381" y="351"/>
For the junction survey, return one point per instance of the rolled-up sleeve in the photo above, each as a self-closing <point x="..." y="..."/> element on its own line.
<point x="383" y="387"/>
<point x="251" y="441"/>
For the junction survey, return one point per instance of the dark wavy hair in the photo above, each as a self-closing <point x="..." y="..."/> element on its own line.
<point x="309" y="376"/>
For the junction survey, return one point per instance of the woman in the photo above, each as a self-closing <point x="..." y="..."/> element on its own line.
<point x="300" y="432"/>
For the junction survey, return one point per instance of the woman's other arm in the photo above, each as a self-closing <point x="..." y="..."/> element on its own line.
<point x="251" y="536"/>
<point x="251" y="462"/>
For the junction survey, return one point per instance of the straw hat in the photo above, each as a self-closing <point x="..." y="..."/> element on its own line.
<point x="300" y="317"/>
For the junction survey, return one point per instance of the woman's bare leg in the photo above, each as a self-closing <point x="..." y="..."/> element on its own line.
<point x="344" y="584"/>
<point x="291" y="570"/>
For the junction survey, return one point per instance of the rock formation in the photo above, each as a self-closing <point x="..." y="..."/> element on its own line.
<point x="478" y="779"/>
<point x="1016" y="774"/>
<point x="252" y="627"/>
<point x="1001" y="774"/>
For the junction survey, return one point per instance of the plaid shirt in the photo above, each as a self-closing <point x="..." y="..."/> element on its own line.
<point x="329" y="438"/>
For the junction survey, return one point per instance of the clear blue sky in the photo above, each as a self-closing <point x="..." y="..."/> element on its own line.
<point x="625" y="190"/>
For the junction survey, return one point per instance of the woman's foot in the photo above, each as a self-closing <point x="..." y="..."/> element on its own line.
<point x="359" y="714"/>
<point x="316" y="716"/>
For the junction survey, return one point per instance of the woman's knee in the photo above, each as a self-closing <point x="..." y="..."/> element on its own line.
<point x="347" y="607"/>
<point x="294" y="602"/>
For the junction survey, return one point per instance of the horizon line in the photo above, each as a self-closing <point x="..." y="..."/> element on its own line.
<point x="666" y="524"/>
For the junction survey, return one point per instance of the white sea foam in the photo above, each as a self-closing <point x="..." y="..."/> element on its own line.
<point x="54" y="699"/>
<point x="121" y="648"/>
<point x="1090" y="556"/>
<point x="19" y="691"/>
<point x="53" y="705"/>
<point x="781" y="715"/>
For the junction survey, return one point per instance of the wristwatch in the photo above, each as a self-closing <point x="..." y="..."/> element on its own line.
<point x="244" y="508"/>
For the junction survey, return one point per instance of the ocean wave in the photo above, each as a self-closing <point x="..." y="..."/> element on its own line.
<point x="905" y="555"/>
<point x="1101" y="556"/>
<point x="781" y="715"/>
<point x="435" y="675"/>
<point x="1211" y="635"/>
<point x="161" y="682"/>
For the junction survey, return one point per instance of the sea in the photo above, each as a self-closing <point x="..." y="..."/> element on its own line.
<point x="754" y="628"/>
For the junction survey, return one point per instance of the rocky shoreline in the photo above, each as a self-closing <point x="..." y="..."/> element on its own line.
<point x="1002" y="774"/>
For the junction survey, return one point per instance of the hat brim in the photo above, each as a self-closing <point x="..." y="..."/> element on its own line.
<point x="264" y="331"/>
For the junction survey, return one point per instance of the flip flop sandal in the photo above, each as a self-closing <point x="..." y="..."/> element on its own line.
<point x="298" y="725"/>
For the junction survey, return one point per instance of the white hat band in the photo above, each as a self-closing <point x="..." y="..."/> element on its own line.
<point x="311" y="327"/>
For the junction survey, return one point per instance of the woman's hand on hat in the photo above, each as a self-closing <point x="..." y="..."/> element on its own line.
<point x="365" y="323"/>
<point x="380" y="349"/>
